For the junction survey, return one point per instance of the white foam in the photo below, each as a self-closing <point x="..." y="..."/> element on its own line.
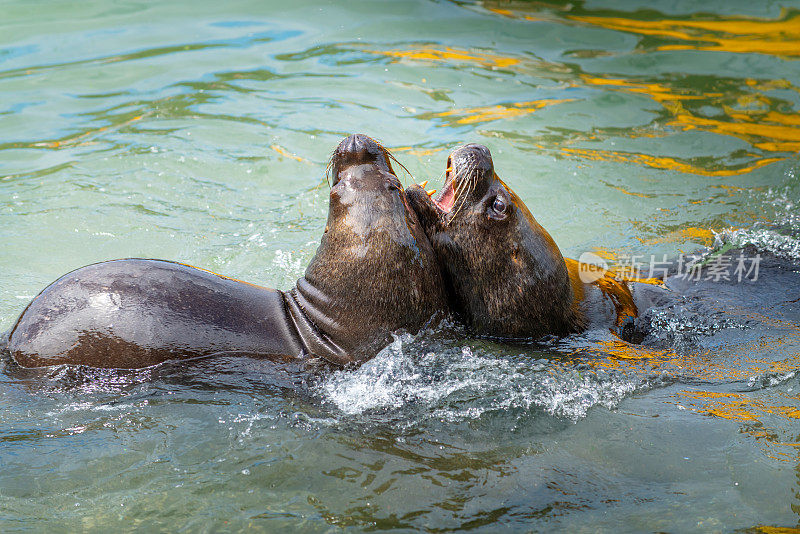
<point x="765" y="236"/>
<point x="455" y="384"/>
<point x="784" y="246"/>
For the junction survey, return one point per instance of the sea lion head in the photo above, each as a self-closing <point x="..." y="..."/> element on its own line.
<point x="374" y="271"/>
<point x="504" y="273"/>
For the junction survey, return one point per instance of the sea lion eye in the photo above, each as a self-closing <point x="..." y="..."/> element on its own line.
<point x="499" y="205"/>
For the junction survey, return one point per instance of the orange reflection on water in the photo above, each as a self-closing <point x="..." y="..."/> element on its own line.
<point x="656" y="91"/>
<point x="285" y="153"/>
<point x="664" y="162"/>
<point x="80" y="139"/>
<point x="448" y="54"/>
<point x="736" y="406"/>
<point x="500" y="111"/>
<point x="730" y="362"/>
<point x="703" y="236"/>
<point x="610" y="255"/>
<point x="754" y="414"/>
<point x="779" y="37"/>
<point x="700" y="365"/>
<point x="774" y="132"/>
<point x="764" y="128"/>
<point x="621" y="350"/>
<point x="777" y="530"/>
<point x="771" y="131"/>
<point x="417" y="151"/>
<point x="739" y="35"/>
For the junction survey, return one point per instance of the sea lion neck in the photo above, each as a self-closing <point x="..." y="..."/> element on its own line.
<point x="358" y="287"/>
<point x="311" y="314"/>
<point x="374" y="271"/>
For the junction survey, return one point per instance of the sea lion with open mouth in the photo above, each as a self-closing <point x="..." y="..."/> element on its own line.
<point x="373" y="273"/>
<point x="504" y="273"/>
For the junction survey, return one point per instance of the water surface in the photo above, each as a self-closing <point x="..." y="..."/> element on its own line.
<point x="199" y="132"/>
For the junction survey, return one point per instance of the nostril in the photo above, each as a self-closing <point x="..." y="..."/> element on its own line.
<point x="356" y="149"/>
<point x="360" y="142"/>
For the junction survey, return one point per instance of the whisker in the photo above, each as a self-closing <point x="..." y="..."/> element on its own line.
<point x="466" y="181"/>
<point x="401" y="165"/>
<point x="390" y="156"/>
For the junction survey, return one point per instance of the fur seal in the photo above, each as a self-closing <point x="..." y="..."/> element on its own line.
<point x="373" y="273"/>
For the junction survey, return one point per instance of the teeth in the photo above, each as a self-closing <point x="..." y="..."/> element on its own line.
<point x="423" y="184"/>
<point x="431" y="192"/>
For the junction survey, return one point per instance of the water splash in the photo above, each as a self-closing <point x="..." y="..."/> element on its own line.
<point x="764" y="239"/>
<point x="465" y="382"/>
<point x="780" y="236"/>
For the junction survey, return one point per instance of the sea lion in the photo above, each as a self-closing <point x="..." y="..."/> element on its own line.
<point x="373" y="273"/>
<point x="505" y="275"/>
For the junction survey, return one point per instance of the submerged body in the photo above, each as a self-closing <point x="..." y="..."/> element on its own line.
<point x="504" y="273"/>
<point x="140" y="312"/>
<point x="374" y="273"/>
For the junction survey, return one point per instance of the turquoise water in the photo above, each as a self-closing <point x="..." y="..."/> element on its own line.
<point x="200" y="131"/>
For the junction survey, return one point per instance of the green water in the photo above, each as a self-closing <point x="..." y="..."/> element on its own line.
<point x="199" y="132"/>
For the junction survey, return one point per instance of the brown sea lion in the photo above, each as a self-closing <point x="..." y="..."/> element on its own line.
<point x="504" y="273"/>
<point x="374" y="272"/>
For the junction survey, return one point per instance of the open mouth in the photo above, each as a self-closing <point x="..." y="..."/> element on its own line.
<point x="446" y="199"/>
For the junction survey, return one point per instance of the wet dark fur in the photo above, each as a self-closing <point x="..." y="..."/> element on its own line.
<point x="374" y="272"/>
<point x="505" y="274"/>
<point x="374" y="241"/>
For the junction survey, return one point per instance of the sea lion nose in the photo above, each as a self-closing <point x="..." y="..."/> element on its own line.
<point x="472" y="154"/>
<point x="357" y="149"/>
<point x="357" y="146"/>
<point x="474" y="149"/>
<point x="358" y="142"/>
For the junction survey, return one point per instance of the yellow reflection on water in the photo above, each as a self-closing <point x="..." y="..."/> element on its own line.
<point x="500" y="111"/>
<point x="738" y="361"/>
<point x="770" y="131"/>
<point x="777" y="530"/>
<point x="756" y="413"/>
<point x="703" y="236"/>
<point x="286" y="154"/>
<point x="739" y="35"/>
<point x="780" y="37"/>
<point x="621" y="350"/>
<point x="417" y="151"/>
<point x="664" y="162"/>
<point x="764" y="417"/>
<point x="736" y="406"/>
<point x="82" y="138"/>
<point x="773" y="132"/>
<point x="449" y="54"/>
<point x="656" y="91"/>
<point x="699" y="365"/>
<point x="756" y="118"/>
